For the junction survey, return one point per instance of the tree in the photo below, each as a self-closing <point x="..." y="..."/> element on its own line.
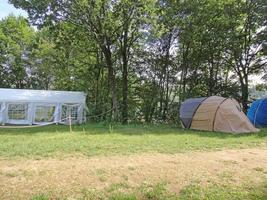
<point x="245" y="41"/>
<point x="107" y="21"/>
<point x="16" y="46"/>
<point x="203" y="35"/>
<point x="141" y="58"/>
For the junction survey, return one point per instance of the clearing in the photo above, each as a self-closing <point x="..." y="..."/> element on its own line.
<point x="131" y="162"/>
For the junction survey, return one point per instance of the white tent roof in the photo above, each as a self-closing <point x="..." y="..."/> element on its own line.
<point x="49" y="96"/>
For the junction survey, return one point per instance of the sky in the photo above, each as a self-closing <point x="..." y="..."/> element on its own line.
<point x="6" y="9"/>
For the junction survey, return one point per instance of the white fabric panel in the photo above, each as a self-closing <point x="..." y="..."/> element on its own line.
<point x="48" y="105"/>
<point x="57" y="114"/>
<point x="17" y="121"/>
<point x="69" y="107"/>
<point x="1" y="110"/>
<point x="3" y="113"/>
<point x="34" y="98"/>
<point x="31" y="113"/>
<point x="49" y="96"/>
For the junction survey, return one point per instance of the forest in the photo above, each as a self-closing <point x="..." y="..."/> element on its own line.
<point x="139" y="59"/>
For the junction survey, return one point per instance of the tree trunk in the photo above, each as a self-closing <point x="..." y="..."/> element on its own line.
<point x="166" y="100"/>
<point x="212" y="82"/>
<point x="124" y="89"/>
<point x="244" y="90"/>
<point x="112" y="83"/>
<point x="125" y="56"/>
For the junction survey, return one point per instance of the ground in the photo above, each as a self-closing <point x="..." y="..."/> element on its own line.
<point x="100" y="161"/>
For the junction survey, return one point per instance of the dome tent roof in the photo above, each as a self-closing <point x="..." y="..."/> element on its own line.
<point x="257" y="113"/>
<point x="188" y="110"/>
<point x="216" y="114"/>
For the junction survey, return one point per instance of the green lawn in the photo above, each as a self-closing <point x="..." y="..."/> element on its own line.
<point x="101" y="139"/>
<point x="193" y="191"/>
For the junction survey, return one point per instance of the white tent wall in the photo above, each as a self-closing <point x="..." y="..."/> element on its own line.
<point x="1" y="111"/>
<point x="41" y="107"/>
<point x="31" y="114"/>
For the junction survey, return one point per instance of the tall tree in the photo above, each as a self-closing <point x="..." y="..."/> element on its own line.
<point x="141" y="58"/>
<point x="108" y="22"/>
<point x="16" y="44"/>
<point x="133" y="16"/>
<point x="248" y="33"/>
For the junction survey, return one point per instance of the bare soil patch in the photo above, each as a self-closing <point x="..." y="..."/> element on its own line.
<point x="68" y="176"/>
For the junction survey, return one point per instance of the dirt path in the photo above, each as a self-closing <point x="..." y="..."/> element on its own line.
<point x="21" y="178"/>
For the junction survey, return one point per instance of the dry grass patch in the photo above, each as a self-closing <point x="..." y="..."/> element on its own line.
<point x="70" y="177"/>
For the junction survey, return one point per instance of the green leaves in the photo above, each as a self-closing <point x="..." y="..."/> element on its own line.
<point x="149" y="54"/>
<point x="15" y="47"/>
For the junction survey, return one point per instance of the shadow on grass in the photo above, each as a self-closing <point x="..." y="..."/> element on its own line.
<point x="130" y="130"/>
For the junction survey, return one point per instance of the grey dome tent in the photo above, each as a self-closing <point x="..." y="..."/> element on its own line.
<point x="215" y="114"/>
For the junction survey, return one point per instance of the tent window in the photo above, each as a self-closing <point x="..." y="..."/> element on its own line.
<point x="44" y="113"/>
<point x="18" y="111"/>
<point x="69" y="110"/>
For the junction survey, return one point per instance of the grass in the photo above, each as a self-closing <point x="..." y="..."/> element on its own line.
<point x="215" y="191"/>
<point x="193" y="191"/>
<point x="104" y="139"/>
<point x="97" y="139"/>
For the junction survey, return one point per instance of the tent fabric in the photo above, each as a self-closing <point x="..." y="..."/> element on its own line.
<point x="188" y="109"/>
<point x="220" y="114"/>
<point x="230" y="118"/>
<point x="204" y="117"/>
<point x="17" y="95"/>
<point x="252" y="110"/>
<point x="19" y="106"/>
<point x="257" y="113"/>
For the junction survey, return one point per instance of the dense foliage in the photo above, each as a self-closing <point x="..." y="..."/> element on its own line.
<point x="140" y="58"/>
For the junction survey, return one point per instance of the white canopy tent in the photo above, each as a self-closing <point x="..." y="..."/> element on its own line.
<point x="19" y="106"/>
